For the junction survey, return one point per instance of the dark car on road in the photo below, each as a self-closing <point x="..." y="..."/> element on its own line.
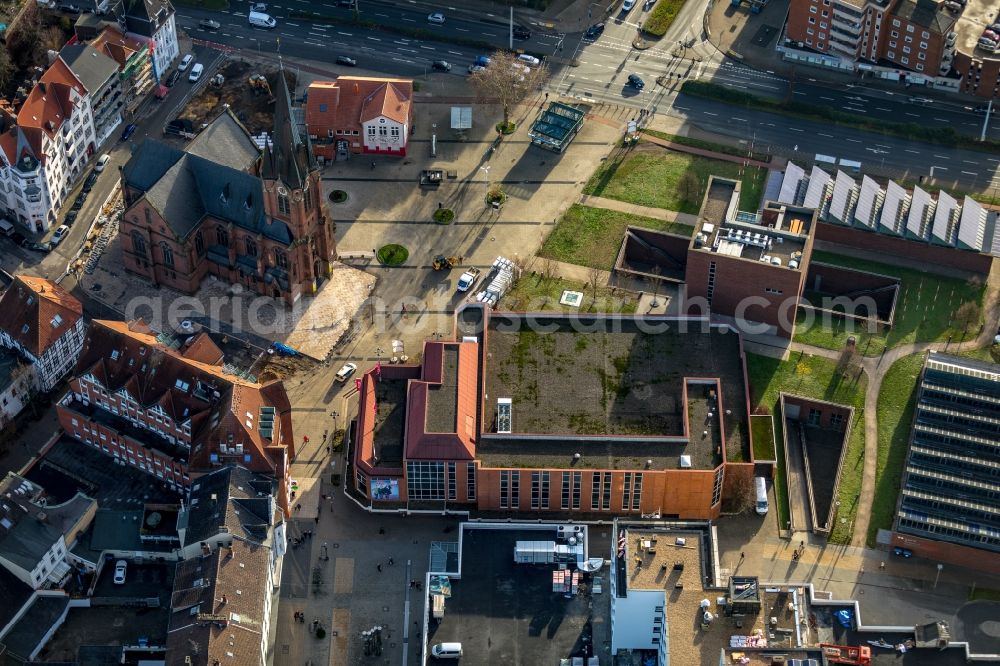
<point x="636" y="82"/>
<point x="520" y="32"/>
<point x="209" y="24"/>
<point x="347" y="61"/>
<point x="35" y="247"/>
<point x="80" y="199"/>
<point x="172" y="79"/>
<point x="441" y="65"/>
<point x="88" y="184"/>
<point x="129" y="131"/>
<point x="594" y="31"/>
<point x="71" y="218"/>
<point x="18" y="238"/>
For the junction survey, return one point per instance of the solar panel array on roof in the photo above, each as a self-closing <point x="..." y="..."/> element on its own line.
<point x="972" y="224"/>
<point x="843" y="192"/>
<point x="790" y="184"/>
<point x="869" y="200"/>
<point x="816" y="192"/>
<point x="894" y="209"/>
<point x="943" y="218"/>
<point x="921" y="211"/>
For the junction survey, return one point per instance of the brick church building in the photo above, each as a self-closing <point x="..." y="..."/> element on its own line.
<point x="223" y="207"/>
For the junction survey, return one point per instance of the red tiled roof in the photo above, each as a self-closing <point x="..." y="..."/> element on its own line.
<point x="201" y="348"/>
<point x="458" y="445"/>
<point x="48" y="104"/>
<point x="116" y="46"/>
<point x="219" y="404"/>
<point x="352" y="100"/>
<point x="37" y="312"/>
<point x="389" y="100"/>
<point x="229" y="589"/>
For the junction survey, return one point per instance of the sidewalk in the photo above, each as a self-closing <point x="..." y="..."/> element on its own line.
<point x="635" y="209"/>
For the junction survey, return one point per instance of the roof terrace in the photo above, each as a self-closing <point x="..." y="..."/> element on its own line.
<point x="618" y="391"/>
<point x="777" y="235"/>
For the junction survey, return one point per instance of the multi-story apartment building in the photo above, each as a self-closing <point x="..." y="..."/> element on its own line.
<point x="135" y="64"/>
<point x="17" y="380"/>
<point x="173" y="410"/>
<point x="220" y="610"/>
<point x="46" y="148"/>
<point x="222" y="208"/>
<point x="947" y="509"/>
<point x="99" y="75"/>
<point x="151" y="22"/>
<point x="43" y="323"/>
<point x="35" y="536"/>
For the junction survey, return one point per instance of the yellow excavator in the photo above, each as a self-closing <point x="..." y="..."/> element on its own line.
<point x="442" y="262"/>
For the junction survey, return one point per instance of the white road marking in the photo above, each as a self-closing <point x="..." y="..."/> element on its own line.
<point x="345" y="34"/>
<point x="828" y="136"/>
<point x="915" y="152"/>
<point x="853" y="140"/>
<point x="796" y="129"/>
<point x="942" y="157"/>
<point x="970" y="173"/>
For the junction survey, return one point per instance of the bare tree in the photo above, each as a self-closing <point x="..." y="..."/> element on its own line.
<point x="966" y="315"/>
<point x="688" y="188"/>
<point x="548" y="268"/>
<point x="593" y="281"/>
<point x="506" y="81"/>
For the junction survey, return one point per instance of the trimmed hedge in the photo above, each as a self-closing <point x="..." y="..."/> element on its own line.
<point x="946" y="136"/>
<point x="662" y="17"/>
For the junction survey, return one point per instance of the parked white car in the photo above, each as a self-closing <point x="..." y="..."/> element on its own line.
<point x="120" y="567"/>
<point x="196" y="72"/>
<point x="436" y="17"/>
<point x="185" y="63"/>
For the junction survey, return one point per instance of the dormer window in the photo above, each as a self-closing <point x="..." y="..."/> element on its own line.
<point x="115" y="354"/>
<point x="182" y="385"/>
<point x="56" y="320"/>
<point x="248" y="204"/>
<point x="30" y="300"/>
<point x="25" y="328"/>
<point x="224" y="196"/>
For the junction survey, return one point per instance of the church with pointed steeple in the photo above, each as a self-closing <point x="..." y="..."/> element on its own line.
<point x="224" y="207"/>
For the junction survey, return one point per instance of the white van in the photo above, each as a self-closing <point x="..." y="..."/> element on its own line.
<point x="760" y="484"/>
<point x="447" y="651"/>
<point x="6" y="228"/>
<point x="262" y="20"/>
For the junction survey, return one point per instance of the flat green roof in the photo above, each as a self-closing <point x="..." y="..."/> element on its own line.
<point x="557" y="122"/>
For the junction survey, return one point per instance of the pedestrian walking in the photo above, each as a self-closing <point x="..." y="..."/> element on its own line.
<point x="327" y="449"/>
<point x="317" y="519"/>
<point x="381" y="530"/>
<point x="742" y="556"/>
<point x="373" y="166"/>
<point x="379" y="567"/>
<point x="881" y="566"/>
<point x="390" y="561"/>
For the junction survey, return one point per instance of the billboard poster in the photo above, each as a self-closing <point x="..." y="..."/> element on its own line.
<point x="385" y="490"/>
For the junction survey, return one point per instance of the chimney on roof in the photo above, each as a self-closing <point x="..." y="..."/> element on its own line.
<point x="357" y="88"/>
<point x="41" y="86"/>
<point x="225" y="600"/>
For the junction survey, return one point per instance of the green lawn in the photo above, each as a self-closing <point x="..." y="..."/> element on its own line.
<point x="984" y="594"/>
<point x="592" y="236"/>
<point x="762" y="431"/>
<point x="896" y="400"/>
<point x="649" y="177"/>
<point x="535" y="293"/>
<point x="925" y="309"/>
<point x="813" y="377"/>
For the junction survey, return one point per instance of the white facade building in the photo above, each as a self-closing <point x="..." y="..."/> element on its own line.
<point x="152" y="21"/>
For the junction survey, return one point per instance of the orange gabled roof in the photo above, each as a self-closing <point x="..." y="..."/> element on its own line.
<point x="48" y="104"/>
<point x="390" y="100"/>
<point x="8" y="144"/>
<point x="322" y="94"/>
<point x="116" y="45"/>
<point x="37" y="312"/>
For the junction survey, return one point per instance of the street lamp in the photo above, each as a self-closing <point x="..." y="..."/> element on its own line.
<point x="334" y="416"/>
<point x="938" y="575"/>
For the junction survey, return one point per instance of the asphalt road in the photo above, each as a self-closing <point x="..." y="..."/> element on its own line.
<point x="801" y="140"/>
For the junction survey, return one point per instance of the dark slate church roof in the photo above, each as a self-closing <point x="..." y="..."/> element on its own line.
<point x="288" y="157"/>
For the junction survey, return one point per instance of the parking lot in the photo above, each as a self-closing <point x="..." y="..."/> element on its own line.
<point x="506" y="613"/>
<point x="142" y="581"/>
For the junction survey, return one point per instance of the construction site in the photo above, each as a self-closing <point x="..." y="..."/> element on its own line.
<point x="245" y="87"/>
